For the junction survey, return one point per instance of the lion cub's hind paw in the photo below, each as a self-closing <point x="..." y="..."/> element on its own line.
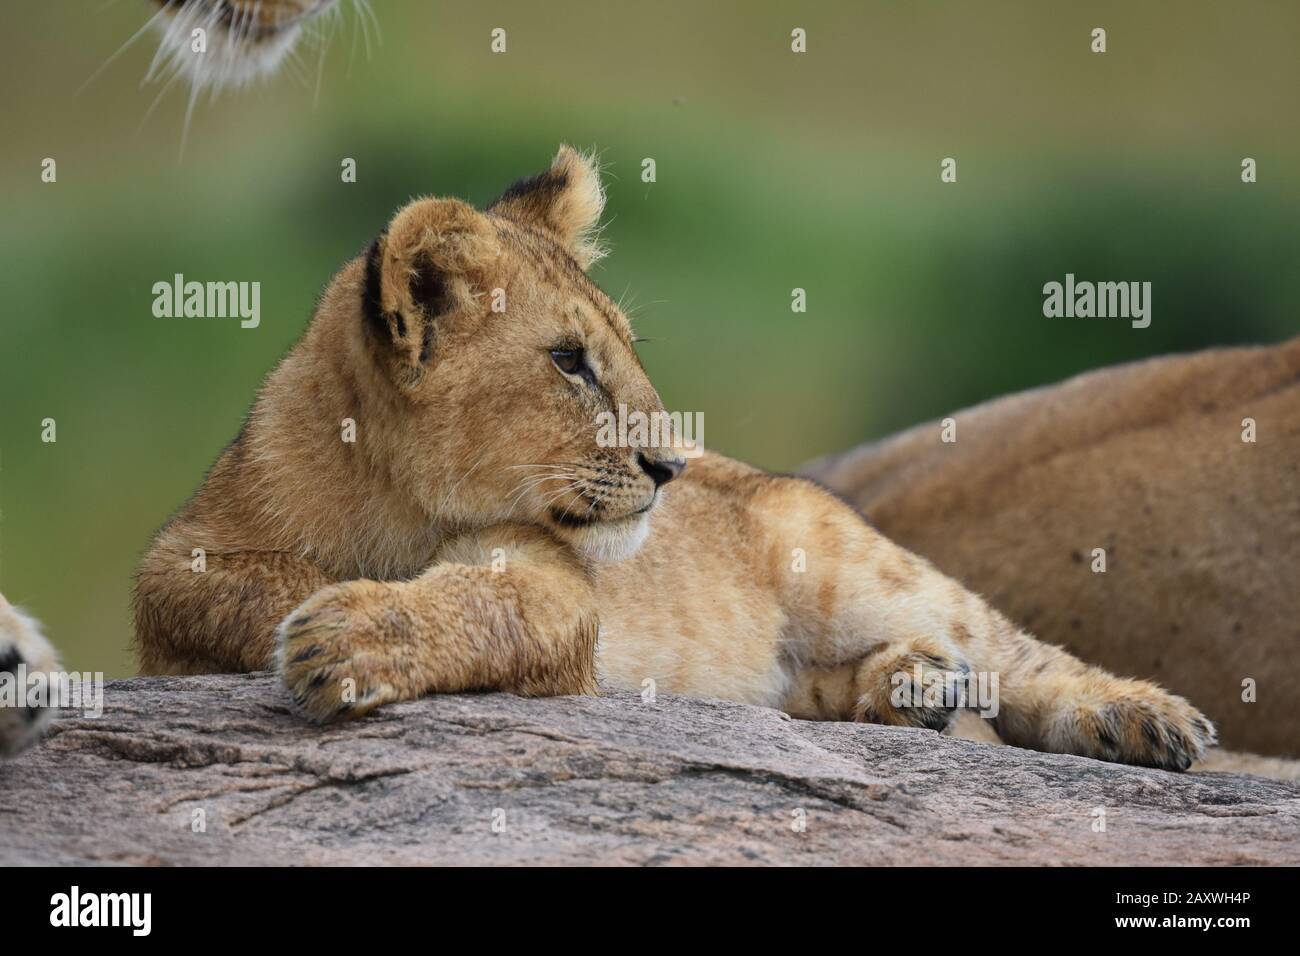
<point x="1139" y="724"/>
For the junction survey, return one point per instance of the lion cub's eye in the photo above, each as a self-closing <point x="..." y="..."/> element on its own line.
<point x="569" y="361"/>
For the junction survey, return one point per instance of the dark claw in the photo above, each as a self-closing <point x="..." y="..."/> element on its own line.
<point x="1152" y="733"/>
<point x="935" y="719"/>
<point x="308" y="654"/>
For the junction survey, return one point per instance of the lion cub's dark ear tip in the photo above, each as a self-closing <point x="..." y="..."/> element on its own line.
<point x="540" y="189"/>
<point x="567" y="199"/>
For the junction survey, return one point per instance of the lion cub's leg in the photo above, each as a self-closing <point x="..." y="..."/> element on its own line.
<point x="1052" y="701"/>
<point x="509" y="608"/>
<point x="221" y="617"/>
<point x="870" y="620"/>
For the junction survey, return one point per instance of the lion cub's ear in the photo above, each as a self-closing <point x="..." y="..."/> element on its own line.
<point x="426" y="264"/>
<point x="566" y="201"/>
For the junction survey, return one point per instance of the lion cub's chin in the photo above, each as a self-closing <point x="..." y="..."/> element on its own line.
<point x="609" y="541"/>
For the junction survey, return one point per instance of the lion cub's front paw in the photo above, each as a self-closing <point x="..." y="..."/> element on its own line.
<point x="1131" y="721"/>
<point x="342" y="652"/>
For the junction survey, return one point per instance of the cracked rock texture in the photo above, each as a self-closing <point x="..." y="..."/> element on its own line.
<point x="492" y="778"/>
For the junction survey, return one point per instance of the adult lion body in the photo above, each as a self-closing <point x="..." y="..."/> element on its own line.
<point x="475" y="534"/>
<point x="1147" y="461"/>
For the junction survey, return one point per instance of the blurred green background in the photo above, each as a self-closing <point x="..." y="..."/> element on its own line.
<point x="775" y="170"/>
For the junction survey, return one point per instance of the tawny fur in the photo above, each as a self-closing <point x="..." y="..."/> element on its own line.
<point x="1201" y="530"/>
<point x="476" y="535"/>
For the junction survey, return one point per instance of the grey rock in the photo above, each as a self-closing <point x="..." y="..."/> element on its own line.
<point x="498" y="779"/>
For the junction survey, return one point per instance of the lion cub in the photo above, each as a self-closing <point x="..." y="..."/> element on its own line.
<point x="418" y="502"/>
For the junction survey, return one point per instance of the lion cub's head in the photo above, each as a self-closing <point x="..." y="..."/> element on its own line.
<point x="499" y="360"/>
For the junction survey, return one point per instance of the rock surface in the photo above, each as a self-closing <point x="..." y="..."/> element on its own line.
<point x="481" y="779"/>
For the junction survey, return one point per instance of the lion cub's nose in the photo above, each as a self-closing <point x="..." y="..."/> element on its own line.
<point x="661" y="470"/>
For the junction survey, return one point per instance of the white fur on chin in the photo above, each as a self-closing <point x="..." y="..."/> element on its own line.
<point x="610" y="542"/>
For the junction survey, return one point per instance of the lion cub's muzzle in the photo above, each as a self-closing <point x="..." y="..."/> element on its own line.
<point x="605" y="495"/>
